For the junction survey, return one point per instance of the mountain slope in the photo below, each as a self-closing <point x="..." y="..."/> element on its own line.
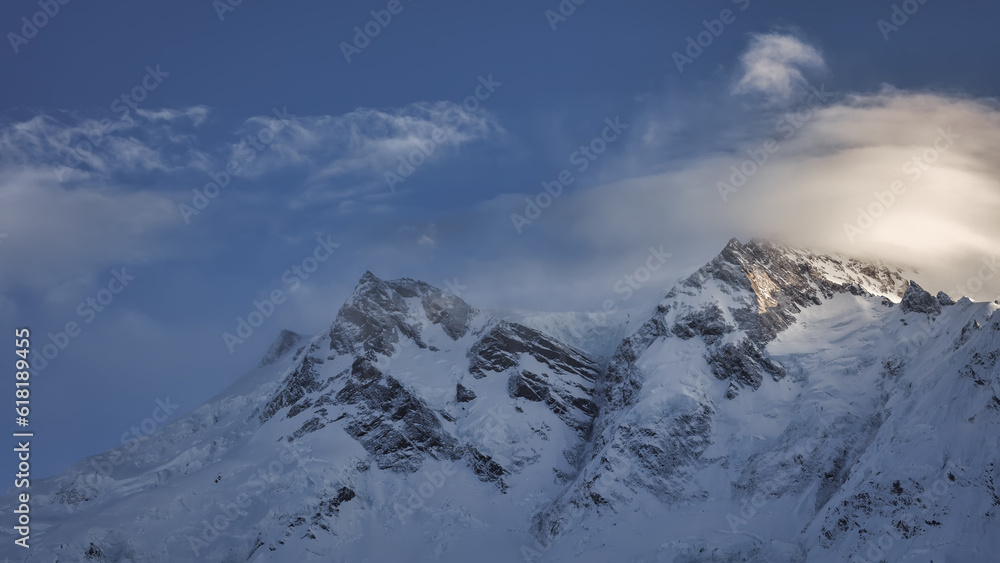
<point x="748" y="406"/>
<point x="778" y="405"/>
<point x="407" y="378"/>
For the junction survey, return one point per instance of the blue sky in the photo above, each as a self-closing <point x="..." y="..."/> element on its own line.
<point x="166" y="92"/>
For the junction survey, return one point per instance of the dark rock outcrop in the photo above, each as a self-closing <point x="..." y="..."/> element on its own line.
<point x="464" y="395"/>
<point x="918" y="300"/>
<point x="565" y="385"/>
<point x="284" y="343"/>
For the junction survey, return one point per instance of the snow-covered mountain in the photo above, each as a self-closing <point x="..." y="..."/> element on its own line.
<point x="778" y="405"/>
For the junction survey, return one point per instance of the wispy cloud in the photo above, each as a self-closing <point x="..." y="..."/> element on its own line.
<point x="102" y="191"/>
<point x="196" y="114"/>
<point x="348" y="154"/>
<point x="74" y="147"/>
<point x="773" y="66"/>
<point x="77" y="196"/>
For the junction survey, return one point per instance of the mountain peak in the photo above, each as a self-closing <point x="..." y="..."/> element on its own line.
<point x="739" y="263"/>
<point x="701" y="408"/>
<point x="368" y="278"/>
<point x="285" y="341"/>
<point x="734" y="244"/>
<point x="918" y="300"/>
<point x="377" y="305"/>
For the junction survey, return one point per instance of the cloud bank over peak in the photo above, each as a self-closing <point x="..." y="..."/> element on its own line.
<point x="909" y="178"/>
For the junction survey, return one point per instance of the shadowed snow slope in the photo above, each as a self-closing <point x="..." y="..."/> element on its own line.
<point x="775" y="406"/>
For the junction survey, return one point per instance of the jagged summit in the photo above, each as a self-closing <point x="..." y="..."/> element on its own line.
<point x="776" y="406"/>
<point x="285" y="342"/>
<point x="802" y="276"/>
<point x="727" y="315"/>
<point x="778" y="282"/>
<point x="370" y="282"/>
<point x="365" y="382"/>
<point x="944" y="299"/>
<point x="917" y="299"/>
<point x="379" y="311"/>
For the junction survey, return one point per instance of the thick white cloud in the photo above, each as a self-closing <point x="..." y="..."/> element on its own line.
<point x="58" y="235"/>
<point x="773" y="65"/>
<point x="830" y="185"/>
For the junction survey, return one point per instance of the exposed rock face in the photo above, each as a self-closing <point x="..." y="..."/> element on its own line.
<point x="775" y="407"/>
<point x="398" y="428"/>
<point x="729" y="311"/>
<point x="565" y="384"/>
<point x="784" y="281"/>
<point x="463" y="395"/>
<point x="709" y="322"/>
<point x="918" y="300"/>
<point x="763" y="286"/>
<point x="301" y="382"/>
<point x="622" y="381"/>
<point x="286" y="341"/>
<point x="744" y="364"/>
<point x="393" y="425"/>
<point x="378" y="313"/>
